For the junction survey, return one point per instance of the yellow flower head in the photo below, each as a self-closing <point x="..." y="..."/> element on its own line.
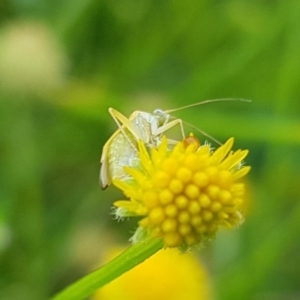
<point x="152" y="280"/>
<point x="185" y="194"/>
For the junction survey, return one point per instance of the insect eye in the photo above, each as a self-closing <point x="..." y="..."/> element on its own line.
<point x="159" y="112"/>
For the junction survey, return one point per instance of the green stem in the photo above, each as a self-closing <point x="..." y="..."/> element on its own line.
<point x="131" y="257"/>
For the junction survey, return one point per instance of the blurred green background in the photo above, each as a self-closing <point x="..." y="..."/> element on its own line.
<point x="63" y="63"/>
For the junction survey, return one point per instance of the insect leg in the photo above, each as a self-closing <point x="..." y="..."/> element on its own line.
<point x="124" y="122"/>
<point x="169" y="125"/>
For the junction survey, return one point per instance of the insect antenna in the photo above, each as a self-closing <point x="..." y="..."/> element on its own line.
<point x="205" y="102"/>
<point x="202" y="132"/>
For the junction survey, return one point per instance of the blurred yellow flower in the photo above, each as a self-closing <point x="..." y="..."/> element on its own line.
<point x="167" y="275"/>
<point x="31" y="59"/>
<point x="185" y="194"/>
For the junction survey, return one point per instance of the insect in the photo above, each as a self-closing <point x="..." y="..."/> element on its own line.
<point x="121" y="148"/>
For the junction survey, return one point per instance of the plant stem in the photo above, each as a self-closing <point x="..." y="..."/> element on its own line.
<point x="131" y="257"/>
